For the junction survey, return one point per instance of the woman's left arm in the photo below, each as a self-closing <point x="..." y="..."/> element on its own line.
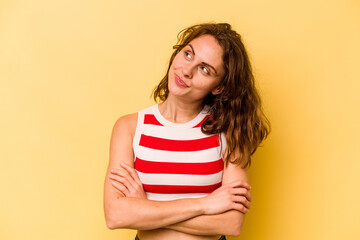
<point x="229" y="223"/>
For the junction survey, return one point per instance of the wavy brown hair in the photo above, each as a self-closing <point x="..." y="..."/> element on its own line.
<point x="236" y="112"/>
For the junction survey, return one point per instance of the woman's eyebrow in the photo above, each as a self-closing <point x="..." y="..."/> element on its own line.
<point x="192" y="49"/>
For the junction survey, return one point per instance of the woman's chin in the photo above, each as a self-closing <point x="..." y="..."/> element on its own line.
<point x="176" y="91"/>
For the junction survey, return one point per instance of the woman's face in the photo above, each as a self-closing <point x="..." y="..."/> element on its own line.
<point x="197" y="69"/>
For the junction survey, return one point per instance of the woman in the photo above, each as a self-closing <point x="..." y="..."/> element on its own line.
<point x="178" y="170"/>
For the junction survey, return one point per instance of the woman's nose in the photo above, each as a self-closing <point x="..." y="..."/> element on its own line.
<point x="188" y="70"/>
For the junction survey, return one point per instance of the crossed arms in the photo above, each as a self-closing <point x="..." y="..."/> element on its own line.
<point x="125" y="204"/>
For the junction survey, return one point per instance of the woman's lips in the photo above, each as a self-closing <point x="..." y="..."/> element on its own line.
<point x="180" y="82"/>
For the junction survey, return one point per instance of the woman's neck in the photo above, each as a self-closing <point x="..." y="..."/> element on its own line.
<point x="179" y="112"/>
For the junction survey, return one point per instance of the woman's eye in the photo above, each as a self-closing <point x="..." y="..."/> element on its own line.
<point x="205" y="70"/>
<point x="187" y="55"/>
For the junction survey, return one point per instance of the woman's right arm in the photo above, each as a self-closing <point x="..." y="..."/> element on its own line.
<point x="143" y="214"/>
<point x="135" y="213"/>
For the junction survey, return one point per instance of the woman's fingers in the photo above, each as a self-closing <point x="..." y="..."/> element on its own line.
<point x="122" y="177"/>
<point x="240" y="208"/>
<point x="242" y="200"/>
<point x="121" y="188"/>
<point x="137" y="190"/>
<point x="126" y="176"/>
<point x="132" y="172"/>
<point x="240" y="195"/>
<point x="227" y="197"/>
<point x="129" y="178"/>
<point x="121" y="181"/>
<point x="242" y="191"/>
<point x="239" y="183"/>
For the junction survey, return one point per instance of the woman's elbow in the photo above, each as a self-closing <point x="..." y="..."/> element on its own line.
<point x="114" y="219"/>
<point x="114" y="222"/>
<point x="110" y="224"/>
<point x="234" y="228"/>
<point x="111" y="221"/>
<point x="235" y="231"/>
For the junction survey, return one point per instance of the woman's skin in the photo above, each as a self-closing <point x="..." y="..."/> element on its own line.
<point x="196" y="71"/>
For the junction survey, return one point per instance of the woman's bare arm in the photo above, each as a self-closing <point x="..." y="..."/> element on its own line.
<point x="229" y="223"/>
<point x="143" y="214"/>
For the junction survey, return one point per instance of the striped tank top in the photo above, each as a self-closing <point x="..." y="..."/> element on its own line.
<point x="176" y="160"/>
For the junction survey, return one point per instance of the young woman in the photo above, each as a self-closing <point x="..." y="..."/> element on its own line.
<point x="178" y="170"/>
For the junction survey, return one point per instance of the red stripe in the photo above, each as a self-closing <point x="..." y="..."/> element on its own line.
<point x="171" y="189"/>
<point x="179" y="168"/>
<point x="200" y="123"/>
<point x="179" y="145"/>
<point x="150" y="119"/>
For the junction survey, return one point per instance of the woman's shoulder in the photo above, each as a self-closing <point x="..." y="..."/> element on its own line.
<point x="128" y="118"/>
<point x="126" y="123"/>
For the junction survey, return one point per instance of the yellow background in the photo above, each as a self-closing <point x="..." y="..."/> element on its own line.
<point x="69" y="69"/>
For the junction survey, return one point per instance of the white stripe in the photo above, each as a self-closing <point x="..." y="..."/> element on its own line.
<point x="207" y="155"/>
<point x="173" y="133"/>
<point x="180" y="179"/>
<point x="148" y="110"/>
<point x="170" y="197"/>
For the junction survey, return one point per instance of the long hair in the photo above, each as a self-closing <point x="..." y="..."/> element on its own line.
<point x="236" y="111"/>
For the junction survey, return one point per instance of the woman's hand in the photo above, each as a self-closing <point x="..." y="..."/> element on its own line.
<point x="234" y="195"/>
<point x="127" y="181"/>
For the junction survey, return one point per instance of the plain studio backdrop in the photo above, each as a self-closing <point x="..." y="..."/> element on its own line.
<point x="69" y="69"/>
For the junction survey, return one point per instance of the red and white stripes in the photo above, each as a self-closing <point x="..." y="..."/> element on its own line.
<point x="176" y="161"/>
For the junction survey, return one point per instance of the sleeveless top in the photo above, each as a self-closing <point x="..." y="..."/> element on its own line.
<point x="176" y="160"/>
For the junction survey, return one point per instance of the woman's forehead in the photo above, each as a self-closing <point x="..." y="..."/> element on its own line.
<point x="208" y="49"/>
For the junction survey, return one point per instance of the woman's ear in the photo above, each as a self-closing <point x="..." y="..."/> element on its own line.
<point x="217" y="90"/>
